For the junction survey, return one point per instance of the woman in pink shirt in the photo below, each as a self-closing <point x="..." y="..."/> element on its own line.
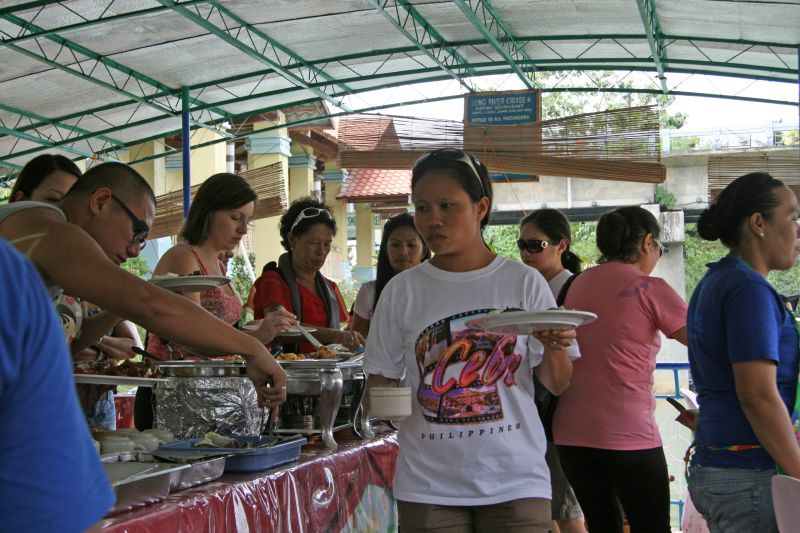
<point x="608" y="441"/>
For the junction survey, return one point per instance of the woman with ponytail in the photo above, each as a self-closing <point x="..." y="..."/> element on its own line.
<point x="544" y="241"/>
<point x="743" y="351"/>
<point x="604" y="426"/>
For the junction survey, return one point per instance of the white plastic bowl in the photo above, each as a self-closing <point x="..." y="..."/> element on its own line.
<point x="391" y="403"/>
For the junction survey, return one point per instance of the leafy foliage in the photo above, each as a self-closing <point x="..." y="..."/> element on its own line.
<point x="562" y="104"/>
<point x="664" y="197"/>
<point x="136" y="266"/>
<point x="240" y="280"/>
<point x="503" y="240"/>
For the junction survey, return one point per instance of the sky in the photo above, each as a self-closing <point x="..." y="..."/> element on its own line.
<point x="703" y="113"/>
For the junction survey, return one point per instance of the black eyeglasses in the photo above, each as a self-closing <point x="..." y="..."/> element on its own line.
<point x="453" y="155"/>
<point x="140" y="227"/>
<point x="533" y="246"/>
<point x="310" y="212"/>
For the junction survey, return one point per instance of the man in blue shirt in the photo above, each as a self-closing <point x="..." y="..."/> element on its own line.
<point x="51" y="478"/>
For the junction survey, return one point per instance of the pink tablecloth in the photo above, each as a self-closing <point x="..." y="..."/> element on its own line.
<point x="348" y="489"/>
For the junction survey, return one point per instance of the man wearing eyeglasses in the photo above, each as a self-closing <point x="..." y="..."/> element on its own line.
<point x="103" y="221"/>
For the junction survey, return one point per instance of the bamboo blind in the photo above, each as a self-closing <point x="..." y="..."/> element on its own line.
<point x="266" y="181"/>
<point x="620" y="144"/>
<point x="724" y="169"/>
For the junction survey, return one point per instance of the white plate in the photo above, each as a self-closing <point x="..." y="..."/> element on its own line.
<point x="98" y="379"/>
<point x="527" y="322"/>
<point x="291" y="332"/>
<point x="191" y="283"/>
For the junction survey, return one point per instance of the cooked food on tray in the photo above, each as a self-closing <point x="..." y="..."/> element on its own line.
<point x="290" y="356"/>
<point x="324" y="352"/>
<point x="126" y="368"/>
<point x="215" y="440"/>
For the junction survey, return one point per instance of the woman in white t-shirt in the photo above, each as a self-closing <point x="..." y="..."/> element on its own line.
<point x="544" y="244"/>
<point x="401" y="248"/>
<point x="472" y="452"/>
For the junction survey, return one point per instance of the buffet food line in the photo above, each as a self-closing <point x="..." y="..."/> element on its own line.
<point x="342" y="489"/>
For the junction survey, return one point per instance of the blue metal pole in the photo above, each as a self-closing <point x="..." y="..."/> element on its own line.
<point x="187" y="174"/>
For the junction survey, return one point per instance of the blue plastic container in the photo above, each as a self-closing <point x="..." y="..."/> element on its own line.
<point x="269" y="453"/>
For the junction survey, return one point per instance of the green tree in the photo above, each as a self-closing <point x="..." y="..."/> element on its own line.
<point x="240" y="280"/>
<point x="558" y="104"/>
<point x="137" y="266"/>
<point x="503" y="240"/>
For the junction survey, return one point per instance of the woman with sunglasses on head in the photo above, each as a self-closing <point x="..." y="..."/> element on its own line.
<point x="401" y="248"/>
<point x="743" y="352"/>
<point x="544" y="242"/>
<point x="295" y="282"/>
<point x="604" y="425"/>
<point x="472" y="451"/>
<point x="218" y="219"/>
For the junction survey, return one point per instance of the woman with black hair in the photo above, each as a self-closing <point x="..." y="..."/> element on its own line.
<point x="46" y="178"/>
<point x="401" y="248"/>
<point x="604" y="425"/>
<point x="295" y="282"/>
<point x="472" y="452"/>
<point x="743" y="352"/>
<point x="544" y="244"/>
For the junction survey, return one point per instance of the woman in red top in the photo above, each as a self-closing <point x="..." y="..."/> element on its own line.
<point x="295" y="282"/>
<point x="217" y="221"/>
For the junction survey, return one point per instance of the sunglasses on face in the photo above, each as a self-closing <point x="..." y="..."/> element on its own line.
<point x="140" y="228"/>
<point x="310" y="212"/>
<point x="533" y="246"/>
<point x="451" y="155"/>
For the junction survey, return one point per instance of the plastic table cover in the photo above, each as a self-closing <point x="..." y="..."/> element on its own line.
<point x="347" y="489"/>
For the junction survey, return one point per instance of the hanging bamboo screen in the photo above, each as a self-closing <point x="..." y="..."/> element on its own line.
<point x="620" y="144"/>
<point x="724" y="169"/>
<point x="266" y="181"/>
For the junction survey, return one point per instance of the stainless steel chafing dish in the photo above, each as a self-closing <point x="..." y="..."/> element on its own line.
<point x="323" y="396"/>
<point x="202" y="396"/>
<point x="330" y="388"/>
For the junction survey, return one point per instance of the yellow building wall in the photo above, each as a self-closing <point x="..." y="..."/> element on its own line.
<point x="365" y="236"/>
<point x="267" y="240"/>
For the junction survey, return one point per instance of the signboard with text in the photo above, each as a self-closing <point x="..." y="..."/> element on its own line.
<point x="501" y="108"/>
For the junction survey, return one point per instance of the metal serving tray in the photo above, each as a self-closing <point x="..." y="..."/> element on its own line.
<point x="137" y="484"/>
<point x="202" y="368"/>
<point x="200" y="467"/>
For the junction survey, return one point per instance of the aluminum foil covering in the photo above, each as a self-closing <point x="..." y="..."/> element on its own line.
<point x="192" y="406"/>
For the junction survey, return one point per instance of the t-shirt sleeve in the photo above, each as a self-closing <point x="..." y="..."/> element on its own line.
<point x="749" y="339"/>
<point x="668" y="309"/>
<point x="363" y="304"/>
<point x="270" y="290"/>
<point x="384" y="352"/>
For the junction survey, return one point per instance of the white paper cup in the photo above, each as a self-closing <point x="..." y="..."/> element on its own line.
<point x="390" y="403"/>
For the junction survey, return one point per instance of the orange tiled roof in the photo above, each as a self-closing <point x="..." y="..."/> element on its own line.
<point x="368" y="184"/>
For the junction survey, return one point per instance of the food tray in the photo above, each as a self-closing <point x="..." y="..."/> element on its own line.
<point x="201" y="468"/>
<point x="271" y="452"/>
<point x="202" y="368"/>
<point x="101" y="379"/>
<point x="137" y="484"/>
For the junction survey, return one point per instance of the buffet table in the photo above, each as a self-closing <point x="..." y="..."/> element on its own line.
<point x="347" y="489"/>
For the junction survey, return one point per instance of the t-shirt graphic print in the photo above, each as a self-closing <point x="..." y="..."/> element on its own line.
<point x="460" y="370"/>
